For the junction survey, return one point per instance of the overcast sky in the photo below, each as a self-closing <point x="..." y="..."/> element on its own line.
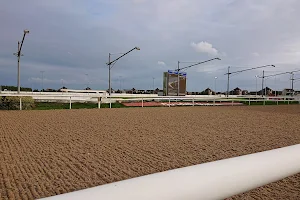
<point x="70" y="41"/>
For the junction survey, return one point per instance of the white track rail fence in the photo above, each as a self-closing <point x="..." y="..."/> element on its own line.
<point x="168" y="101"/>
<point x="214" y="180"/>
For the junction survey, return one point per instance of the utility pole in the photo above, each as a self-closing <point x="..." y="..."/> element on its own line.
<point x="216" y="85"/>
<point x="275" y="87"/>
<point x="256" y="85"/>
<point x="19" y="54"/>
<point x="19" y="77"/>
<point x="228" y="74"/>
<point x="292" y="79"/>
<point x="178" y="79"/>
<point x="179" y="69"/>
<point x="109" y="68"/>
<point x="111" y="63"/>
<point x="153" y="84"/>
<point x="262" y="83"/>
<point x="120" y="80"/>
<point x="42" y="80"/>
<point x="87" y="80"/>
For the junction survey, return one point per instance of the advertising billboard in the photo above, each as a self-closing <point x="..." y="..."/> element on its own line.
<point x="170" y="83"/>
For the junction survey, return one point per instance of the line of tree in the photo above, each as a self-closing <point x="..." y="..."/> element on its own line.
<point x="13" y="88"/>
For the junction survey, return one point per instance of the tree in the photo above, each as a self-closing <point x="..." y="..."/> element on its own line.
<point x="14" y="88"/>
<point x="133" y="90"/>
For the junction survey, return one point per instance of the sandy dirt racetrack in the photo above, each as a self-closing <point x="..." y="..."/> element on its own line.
<point x="44" y="153"/>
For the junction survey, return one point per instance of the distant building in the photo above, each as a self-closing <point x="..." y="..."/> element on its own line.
<point x="245" y="92"/>
<point x="207" y="91"/>
<point x="276" y="93"/>
<point x="287" y="92"/>
<point x="268" y="91"/>
<point x="236" y="91"/>
<point x="49" y="90"/>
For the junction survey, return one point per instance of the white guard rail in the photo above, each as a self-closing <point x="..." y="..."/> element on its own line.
<point x="214" y="180"/>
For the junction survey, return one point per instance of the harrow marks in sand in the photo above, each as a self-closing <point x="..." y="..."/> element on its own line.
<point x="44" y="153"/>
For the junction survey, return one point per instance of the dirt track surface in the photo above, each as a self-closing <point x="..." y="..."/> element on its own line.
<point x="44" y="153"/>
<point x="166" y="104"/>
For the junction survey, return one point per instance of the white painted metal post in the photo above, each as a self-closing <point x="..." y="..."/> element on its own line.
<point x="249" y="102"/>
<point x="231" y="103"/>
<point x="142" y="102"/>
<point x="277" y="102"/>
<point x="288" y="101"/>
<point x="20" y="103"/>
<point x="70" y="102"/>
<point x="169" y="102"/>
<point x="264" y="102"/>
<point x="99" y="102"/>
<point x="193" y="102"/>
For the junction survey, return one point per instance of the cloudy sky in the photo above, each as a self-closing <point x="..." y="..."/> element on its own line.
<point x="70" y="40"/>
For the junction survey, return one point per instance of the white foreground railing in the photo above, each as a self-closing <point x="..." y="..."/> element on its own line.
<point x="214" y="180"/>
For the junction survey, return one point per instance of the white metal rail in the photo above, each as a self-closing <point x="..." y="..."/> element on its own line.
<point x="215" y="180"/>
<point x="99" y="98"/>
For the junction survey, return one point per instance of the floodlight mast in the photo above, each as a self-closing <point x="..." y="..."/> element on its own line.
<point x="240" y="71"/>
<point x="195" y="63"/>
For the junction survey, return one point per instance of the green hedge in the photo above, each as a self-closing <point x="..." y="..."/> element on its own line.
<point x="13" y="103"/>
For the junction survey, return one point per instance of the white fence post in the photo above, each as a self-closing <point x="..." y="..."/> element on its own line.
<point x="20" y="103"/>
<point x="231" y="103"/>
<point x="264" y="102"/>
<point x="288" y="101"/>
<point x="99" y="102"/>
<point x="193" y="102"/>
<point x="214" y="102"/>
<point x="249" y="102"/>
<point x="142" y="102"/>
<point x="169" y="102"/>
<point x="277" y="102"/>
<point x="70" y="102"/>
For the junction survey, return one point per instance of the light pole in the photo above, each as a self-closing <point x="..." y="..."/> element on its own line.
<point x="153" y="79"/>
<point x="229" y="73"/>
<point x="256" y="76"/>
<point x="295" y="80"/>
<point x="111" y="64"/>
<point x="42" y="80"/>
<point x="292" y="80"/>
<point x="120" y="79"/>
<point x="263" y="77"/>
<point x="31" y="83"/>
<point x="275" y="87"/>
<point x="179" y="69"/>
<point x="62" y="83"/>
<point x="87" y="81"/>
<point x="216" y="85"/>
<point x="19" y="54"/>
